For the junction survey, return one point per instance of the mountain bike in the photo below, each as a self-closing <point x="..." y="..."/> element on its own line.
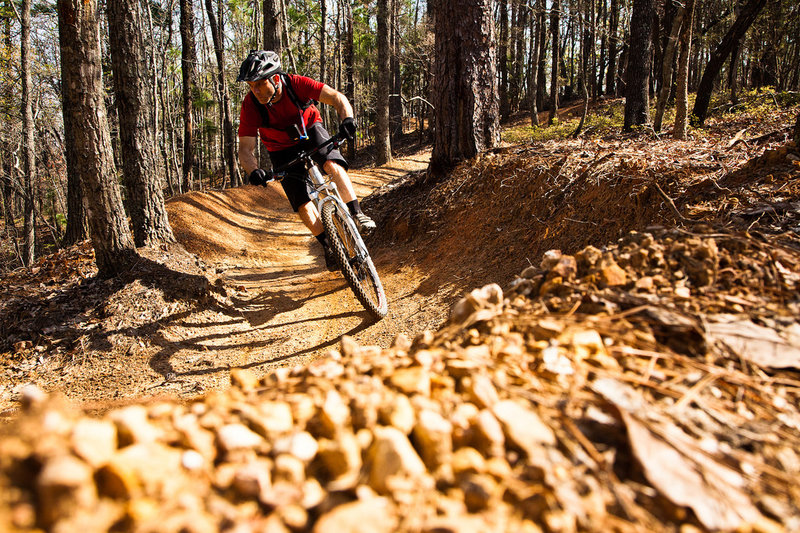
<point x="348" y="246"/>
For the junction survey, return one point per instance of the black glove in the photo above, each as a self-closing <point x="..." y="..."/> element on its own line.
<point x="347" y="128"/>
<point x="257" y="177"/>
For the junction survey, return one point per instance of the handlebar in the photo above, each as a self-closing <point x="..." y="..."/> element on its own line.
<point x="279" y="173"/>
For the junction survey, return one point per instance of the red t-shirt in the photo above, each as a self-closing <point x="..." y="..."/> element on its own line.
<point x="282" y="114"/>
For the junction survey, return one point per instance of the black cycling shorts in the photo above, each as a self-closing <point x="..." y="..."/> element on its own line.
<point x="295" y="189"/>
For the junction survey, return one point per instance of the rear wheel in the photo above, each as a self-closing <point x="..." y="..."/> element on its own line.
<point x="354" y="260"/>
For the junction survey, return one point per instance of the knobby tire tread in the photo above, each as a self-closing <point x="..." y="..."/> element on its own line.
<point x="379" y="308"/>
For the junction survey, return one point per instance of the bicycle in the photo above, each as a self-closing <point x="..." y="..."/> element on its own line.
<point x="349" y="249"/>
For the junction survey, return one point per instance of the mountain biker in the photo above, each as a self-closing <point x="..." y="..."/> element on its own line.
<point x="280" y="109"/>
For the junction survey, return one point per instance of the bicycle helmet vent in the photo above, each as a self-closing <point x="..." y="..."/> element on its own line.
<point x="258" y="65"/>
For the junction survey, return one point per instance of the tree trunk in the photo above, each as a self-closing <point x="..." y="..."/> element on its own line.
<point x="555" y="16"/>
<point x="85" y="114"/>
<point x="797" y="132"/>
<point x="682" y="90"/>
<point x="464" y="83"/>
<point x="133" y="97"/>
<point x="272" y="25"/>
<point x="666" y="68"/>
<point x="28" y="146"/>
<point x="519" y="54"/>
<point x="637" y="74"/>
<point x="383" y="150"/>
<point x="718" y="57"/>
<point x="502" y="53"/>
<point x="533" y="80"/>
<point x="217" y="33"/>
<point x="188" y="61"/>
<point x="349" y="69"/>
<point x="323" y="42"/>
<point x="587" y="38"/>
<point x="732" y="77"/>
<point x="396" y="99"/>
<point x="541" y="89"/>
<point x="611" y="73"/>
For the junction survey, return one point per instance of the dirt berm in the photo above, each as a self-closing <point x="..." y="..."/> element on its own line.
<point x="628" y="361"/>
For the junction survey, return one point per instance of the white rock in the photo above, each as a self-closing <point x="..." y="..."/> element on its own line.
<point x="522" y="426"/>
<point x="391" y="454"/>
<point x="235" y="437"/>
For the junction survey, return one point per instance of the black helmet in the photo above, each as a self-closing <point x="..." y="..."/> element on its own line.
<point x="260" y="64"/>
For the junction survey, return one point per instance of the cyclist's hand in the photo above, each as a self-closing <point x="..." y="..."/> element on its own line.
<point x="347" y="128"/>
<point x="257" y="177"/>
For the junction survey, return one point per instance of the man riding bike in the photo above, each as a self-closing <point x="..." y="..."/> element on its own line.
<point x="280" y="109"/>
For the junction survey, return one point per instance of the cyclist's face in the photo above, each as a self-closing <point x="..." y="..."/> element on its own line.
<point x="263" y="89"/>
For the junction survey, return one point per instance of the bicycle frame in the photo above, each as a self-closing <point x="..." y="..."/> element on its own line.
<point x="323" y="190"/>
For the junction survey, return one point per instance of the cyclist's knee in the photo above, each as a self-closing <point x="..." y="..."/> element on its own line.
<point x="334" y="169"/>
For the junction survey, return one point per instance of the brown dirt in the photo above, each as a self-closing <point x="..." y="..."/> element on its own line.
<point x="689" y="239"/>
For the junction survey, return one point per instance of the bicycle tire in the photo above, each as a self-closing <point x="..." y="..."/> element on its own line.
<point x="361" y="274"/>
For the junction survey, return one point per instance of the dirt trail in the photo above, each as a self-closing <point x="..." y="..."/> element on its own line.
<point x="282" y="306"/>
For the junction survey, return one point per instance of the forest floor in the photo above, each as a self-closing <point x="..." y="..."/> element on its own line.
<point x="640" y="299"/>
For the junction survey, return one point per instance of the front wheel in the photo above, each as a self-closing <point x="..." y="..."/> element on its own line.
<point x="354" y="260"/>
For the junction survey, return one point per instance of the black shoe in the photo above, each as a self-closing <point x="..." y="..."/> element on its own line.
<point x="330" y="260"/>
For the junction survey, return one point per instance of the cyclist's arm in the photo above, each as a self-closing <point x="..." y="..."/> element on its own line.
<point x="247" y="153"/>
<point x="334" y="98"/>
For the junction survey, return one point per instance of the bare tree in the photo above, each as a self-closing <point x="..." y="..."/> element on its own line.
<point x="682" y="91"/>
<point x="718" y="56"/>
<point x="188" y="61"/>
<point x="383" y="150"/>
<point x="28" y="146"/>
<point x="637" y="74"/>
<point x="666" y="68"/>
<point x="465" y="91"/>
<point x="217" y="33"/>
<point x="133" y="93"/>
<point x="555" y="18"/>
<point x="533" y="79"/>
<point x="85" y="114"/>
<point x="349" y="67"/>
<point x="797" y="132"/>
<point x="613" y="24"/>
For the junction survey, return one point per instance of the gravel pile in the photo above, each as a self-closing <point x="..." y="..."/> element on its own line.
<point x="591" y="395"/>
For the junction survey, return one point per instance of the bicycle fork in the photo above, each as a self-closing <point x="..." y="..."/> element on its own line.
<point x="332" y="195"/>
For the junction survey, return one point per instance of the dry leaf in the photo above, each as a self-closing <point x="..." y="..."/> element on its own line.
<point x="758" y="344"/>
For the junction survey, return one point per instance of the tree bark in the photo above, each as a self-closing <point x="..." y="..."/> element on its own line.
<point x="682" y="82"/>
<point x="349" y="68"/>
<point x="554" y="83"/>
<point x="611" y="74"/>
<point x="797" y="132"/>
<point x="502" y="53"/>
<point x="217" y="33"/>
<point x="666" y="68"/>
<point x="519" y="55"/>
<point x="188" y="61"/>
<point x="272" y="26"/>
<point x="745" y="19"/>
<point x="533" y="79"/>
<point x="133" y="97"/>
<point x="383" y="150"/>
<point x="396" y="98"/>
<point x="637" y="74"/>
<point x="464" y="83"/>
<point x="28" y="143"/>
<point x="541" y="68"/>
<point x="85" y="114"/>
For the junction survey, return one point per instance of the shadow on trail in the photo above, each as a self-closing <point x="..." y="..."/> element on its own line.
<point x="161" y="364"/>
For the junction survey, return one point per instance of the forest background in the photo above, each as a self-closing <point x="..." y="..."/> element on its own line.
<point x="165" y="72"/>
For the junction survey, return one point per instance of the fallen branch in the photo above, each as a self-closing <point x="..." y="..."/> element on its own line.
<point x="670" y="203"/>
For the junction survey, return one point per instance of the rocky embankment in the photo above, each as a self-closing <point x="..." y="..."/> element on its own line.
<point x="649" y="386"/>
